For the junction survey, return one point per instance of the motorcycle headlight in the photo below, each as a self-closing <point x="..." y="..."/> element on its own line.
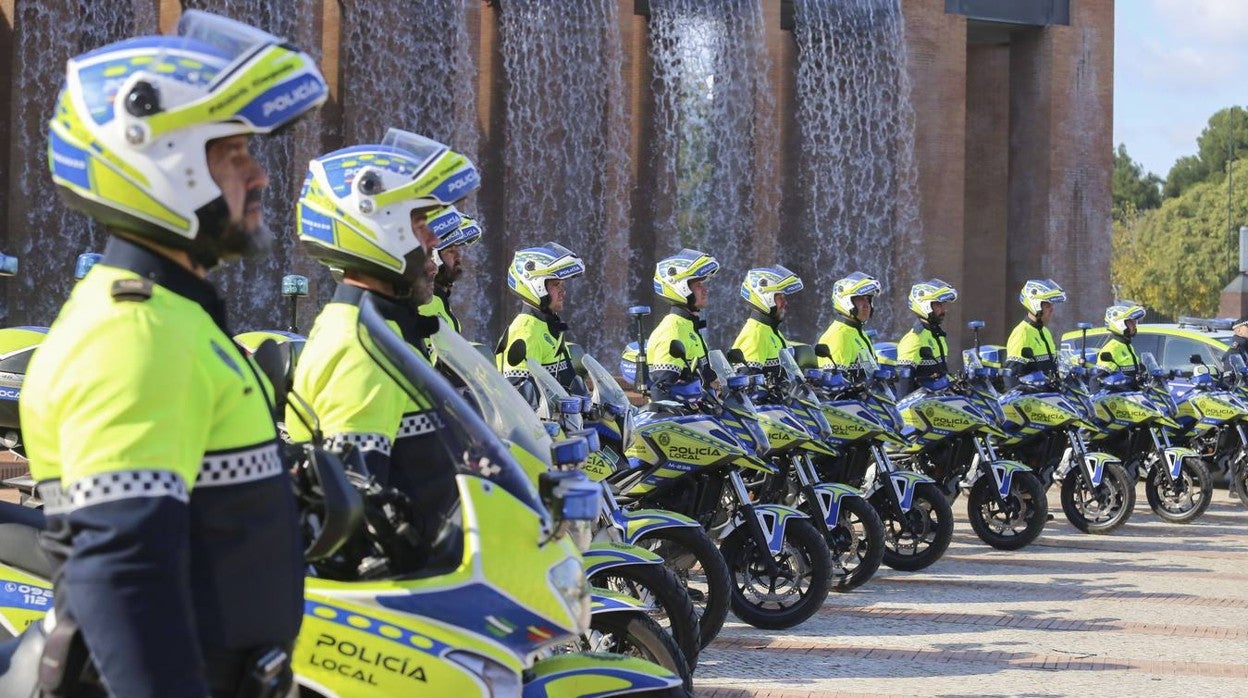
<point x="500" y="680"/>
<point x="568" y="580"/>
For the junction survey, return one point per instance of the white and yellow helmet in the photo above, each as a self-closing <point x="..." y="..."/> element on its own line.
<point x="924" y="293"/>
<point x="127" y="142"/>
<point x="533" y="266"/>
<point x="1116" y="316"/>
<point x="856" y="284"/>
<point x="1037" y="291"/>
<point x="356" y="206"/>
<point x="673" y="274"/>
<point x="761" y="285"/>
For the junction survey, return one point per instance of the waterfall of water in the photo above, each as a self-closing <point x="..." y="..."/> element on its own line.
<point x="857" y="145"/>
<point x="565" y="154"/>
<point x="48" y="236"/>
<point x="713" y="111"/>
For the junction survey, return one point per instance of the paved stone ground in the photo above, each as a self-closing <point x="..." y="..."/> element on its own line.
<point x="1154" y="609"/>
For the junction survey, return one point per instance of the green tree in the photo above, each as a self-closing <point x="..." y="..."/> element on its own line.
<point x="1177" y="258"/>
<point x="1133" y="189"/>
<point x="1185" y="172"/>
<point x="1225" y="133"/>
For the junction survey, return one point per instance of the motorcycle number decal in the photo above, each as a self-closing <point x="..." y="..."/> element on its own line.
<point x="26" y="596"/>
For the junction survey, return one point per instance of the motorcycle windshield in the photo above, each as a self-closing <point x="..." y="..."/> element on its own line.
<point x="788" y="364"/>
<point x="1149" y="362"/>
<point x="500" y="406"/>
<point x="463" y="432"/>
<point x="1236" y="363"/>
<point x="552" y="394"/>
<point x="970" y="360"/>
<point x="719" y="364"/>
<point x="606" y="390"/>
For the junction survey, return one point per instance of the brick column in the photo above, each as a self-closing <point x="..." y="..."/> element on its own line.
<point x="1061" y="108"/>
<point x="936" y="43"/>
<point x="985" y="292"/>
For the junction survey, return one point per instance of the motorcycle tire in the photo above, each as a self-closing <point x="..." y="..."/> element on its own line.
<point x="1182" y="504"/>
<point x="1078" y="499"/>
<point x="1239" y="482"/>
<point x="806" y="570"/>
<point x="658" y="586"/>
<point x="692" y="556"/>
<point x="637" y="635"/>
<point x="856" y="543"/>
<point x="1013" y="523"/>
<point x="930" y="515"/>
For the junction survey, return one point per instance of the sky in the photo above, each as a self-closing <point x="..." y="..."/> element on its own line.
<point x="1176" y="62"/>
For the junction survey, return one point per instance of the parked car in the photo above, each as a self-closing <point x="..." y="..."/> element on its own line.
<point x="1172" y="344"/>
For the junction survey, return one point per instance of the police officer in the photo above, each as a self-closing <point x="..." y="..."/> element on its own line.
<point x="150" y="434"/>
<point x="1239" y="342"/>
<point x="681" y="280"/>
<point x="766" y="290"/>
<point x="927" y="300"/>
<point x="852" y="298"/>
<point x="537" y="275"/>
<point x="1038" y="296"/>
<point x="364" y="210"/>
<point x="454" y="231"/>
<point x="1120" y="319"/>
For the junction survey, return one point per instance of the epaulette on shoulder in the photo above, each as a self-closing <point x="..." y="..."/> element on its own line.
<point x="137" y="290"/>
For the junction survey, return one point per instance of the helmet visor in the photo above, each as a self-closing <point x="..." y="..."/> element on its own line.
<point x="419" y="148"/>
<point x="231" y="39"/>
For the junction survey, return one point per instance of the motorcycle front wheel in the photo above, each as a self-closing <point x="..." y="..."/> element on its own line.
<point x="658" y="586"/>
<point x="794" y="591"/>
<point x="637" y="635"/>
<point x="916" y="538"/>
<point x="1181" y="500"/>
<point x="692" y="556"/>
<point x="1011" y="522"/>
<point x="1101" y="509"/>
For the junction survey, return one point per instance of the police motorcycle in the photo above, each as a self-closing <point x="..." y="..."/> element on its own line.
<point x="951" y="440"/>
<point x="1236" y="379"/>
<point x="865" y="423"/>
<point x="614" y="564"/>
<point x="504" y="584"/>
<point x="1211" y="417"/>
<point x="621" y="622"/>
<point x="1135" y="416"/>
<point x="796" y="428"/>
<point x="687" y="454"/>
<point x="686" y="549"/>
<point x="1046" y="417"/>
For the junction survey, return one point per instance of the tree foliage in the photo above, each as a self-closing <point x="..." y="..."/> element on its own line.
<point x="1133" y="189"/>
<point x="1225" y="133"/>
<point x="1177" y="258"/>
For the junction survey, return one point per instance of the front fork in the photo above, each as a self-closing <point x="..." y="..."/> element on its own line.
<point x="746" y="510"/>
<point x="1169" y="457"/>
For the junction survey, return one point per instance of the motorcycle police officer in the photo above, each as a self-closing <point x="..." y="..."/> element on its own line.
<point x="1038" y="296"/>
<point x="760" y="341"/>
<point x="365" y="210"/>
<point x="150" y="435"/>
<point x="681" y="280"/>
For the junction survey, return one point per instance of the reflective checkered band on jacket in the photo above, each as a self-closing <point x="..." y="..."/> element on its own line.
<point x="516" y="373"/>
<point x="362" y="442"/>
<point x="220" y="469"/>
<point x="418" y="424"/>
<point x="54" y="499"/>
<point x="126" y="484"/>
<point x="665" y="367"/>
